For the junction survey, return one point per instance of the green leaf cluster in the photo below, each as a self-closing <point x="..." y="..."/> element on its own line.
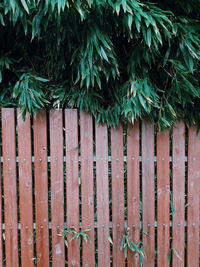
<point x="70" y="234"/>
<point x="128" y="245"/>
<point x="119" y="59"/>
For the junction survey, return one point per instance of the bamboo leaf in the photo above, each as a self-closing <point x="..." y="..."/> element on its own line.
<point x="25" y="5"/>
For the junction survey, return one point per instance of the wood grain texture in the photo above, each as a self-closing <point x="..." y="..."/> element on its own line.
<point x="133" y="188"/>
<point x="117" y="194"/>
<point x="41" y="189"/>
<point x="87" y="186"/>
<point x="148" y="193"/>
<point x="193" y="195"/>
<point x="163" y="200"/>
<point x="10" y="186"/>
<point x="102" y="195"/>
<point x="57" y="187"/>
<point x="25" y="190"/>
<point x="178" y="189"/>
<point x="72" y="182"/>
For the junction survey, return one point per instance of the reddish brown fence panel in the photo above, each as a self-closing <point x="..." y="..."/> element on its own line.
<point x="133" y="188"/>
<point x="102" y="195"/>
<point x="41" y="189"/>
<point x="148" y="195"/>
<point x="10" y="186"/>
<point x="1" y="214"/>
<point x="87" y="185"/>
<point x="163" y="190"/>
<point x="178" y="188"/>
<point x="193" y="197"/>
<point x="130" y="187"/>
<point x="72" y="182"/>
<point x="57" y="187"/>
<point x="25" y="190"/>
<point x="117" y="194"/>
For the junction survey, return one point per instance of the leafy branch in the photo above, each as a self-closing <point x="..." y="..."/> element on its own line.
<point x="73" y="233"/>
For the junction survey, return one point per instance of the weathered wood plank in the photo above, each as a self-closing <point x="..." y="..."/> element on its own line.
<point x="133" y="188"/>
<point x="25" y="190"/>
<point x="57" y="187"/>
<point x="87" y="186"/>
<point x="41" y="189"/>
<point x="102" y="195"/>
<point x="148" y="193"/>
<point x="72" y="182"/>
<point x="178" y="189"/>
<point x="117" y="194"/>
<point x="193" y="195"/>
<point x="10" y="186"/>
<point x="163" y="198"/>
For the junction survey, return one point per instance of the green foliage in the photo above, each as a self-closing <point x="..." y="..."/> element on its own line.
<point x="171" y="204"/>
<point x="128" y="245"/>
<point x="29" y="93"/>
<point x="74" y="234"/>
<point x="174" y="252"/>
<point x="119" y="59"/>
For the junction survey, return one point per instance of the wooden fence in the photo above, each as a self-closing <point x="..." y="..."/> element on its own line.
<point x="61" y="170"/>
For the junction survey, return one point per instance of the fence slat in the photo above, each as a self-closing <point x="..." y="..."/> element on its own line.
<point x="1" y="213"/>
<point x="148" y="195"/>
<point x="57" y="187"/>
<point x="87" y="185"/>
<point x="102" y="195"/>
<point x="117" y="194"/>
<point x="10" y="183"/>
<point x="163" y="200"/>
<point x="41" y="189"/>
<point x="193" y="195"/>
<point x="72" y="182"/>
<point x="25" y="189"/>
<point x="133" y="188"/>
<point x="178" y="189"/>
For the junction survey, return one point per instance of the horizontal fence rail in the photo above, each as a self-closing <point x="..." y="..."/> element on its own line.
<point x="75" y="193"/>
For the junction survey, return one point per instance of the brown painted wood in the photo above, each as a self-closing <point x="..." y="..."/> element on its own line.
<point x="102" y="195"/>
<point x="133" y="188"/>
<point x="1" y="214"/>
<point x="178" y="189"/>
<point x="87" y="186"/>
<point x="41" y="189"/>
<point x="117" y="194"/>
<point x="87" y="191"/>
<point x="148" y="194"/>
<point x="57" y="187"/>
<point x="25" y="190"/>
<point x="163" y="200"/>
<point x="10" y="185"/>
<point x="72" y="182"/>
<point x="193" y="195"/>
